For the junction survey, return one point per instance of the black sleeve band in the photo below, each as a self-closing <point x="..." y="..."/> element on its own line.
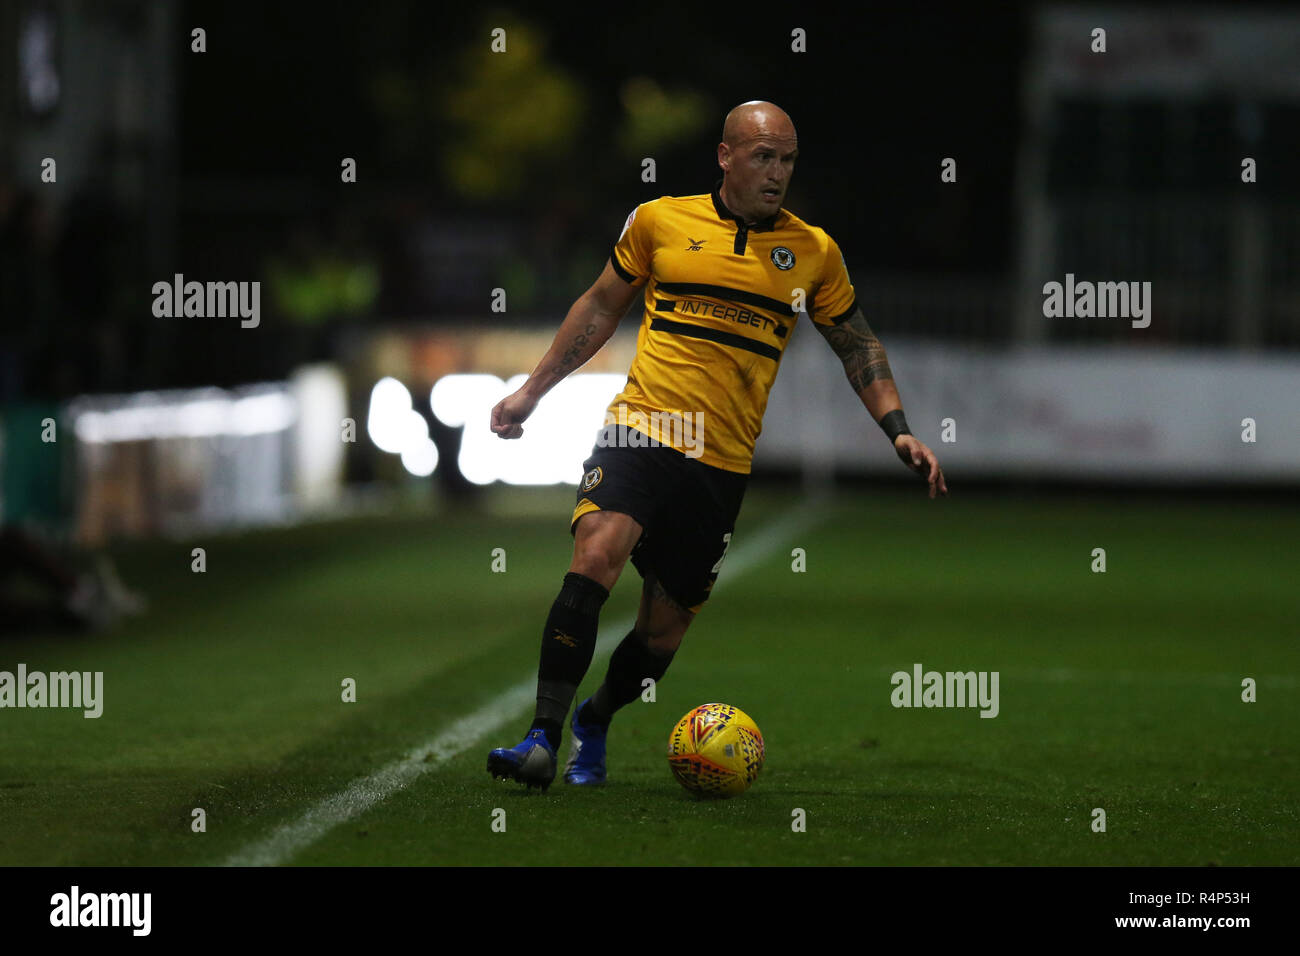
<point x="894" y="425"/>
<point x="836" y="320"/>
<point x="622" y="273"/>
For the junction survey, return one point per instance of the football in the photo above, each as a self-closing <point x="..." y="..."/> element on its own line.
<point x="716" y="750"/>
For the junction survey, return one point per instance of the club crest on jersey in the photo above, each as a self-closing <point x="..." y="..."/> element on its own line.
<point x="592" y="478"/>
<point x="782" y="258"/>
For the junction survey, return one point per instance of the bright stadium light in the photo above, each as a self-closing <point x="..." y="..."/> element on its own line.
<point x="151" y="416"/>
<point x="397" y="428"/>
<point x="467" y="400"/>
<point x="260" y="414"/>
<point x="557" y="437"/>
<point x="388" y="400"/>
<point x="420" y="457"/>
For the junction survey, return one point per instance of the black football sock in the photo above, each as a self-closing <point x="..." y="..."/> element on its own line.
<point x="552" y="729"/>
<point x="630" y="664"/>
<point x="568" y="643"/>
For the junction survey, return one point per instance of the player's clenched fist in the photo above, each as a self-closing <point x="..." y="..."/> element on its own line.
<point x="510" y="413"/>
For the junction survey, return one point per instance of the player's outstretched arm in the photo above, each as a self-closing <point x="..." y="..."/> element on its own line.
<point x="867" y="368"/>
<point x="589" y="324"/>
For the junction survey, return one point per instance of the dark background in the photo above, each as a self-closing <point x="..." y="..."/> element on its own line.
<point x="284" y="91"/>
<point x="479" y="171"/>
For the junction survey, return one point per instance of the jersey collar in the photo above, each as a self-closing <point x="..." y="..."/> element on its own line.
<point x="763" y="225"/>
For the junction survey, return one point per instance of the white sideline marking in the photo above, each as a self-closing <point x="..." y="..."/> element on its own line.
<point x="291" y="838"/>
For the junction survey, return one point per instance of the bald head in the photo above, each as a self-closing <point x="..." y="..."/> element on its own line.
<point x="757" y="155"/>
<point x="754" y="118"/>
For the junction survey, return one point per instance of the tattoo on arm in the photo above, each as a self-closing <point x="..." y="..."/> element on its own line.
<point x="858" y="348"/>
<point x="570" y="357"/>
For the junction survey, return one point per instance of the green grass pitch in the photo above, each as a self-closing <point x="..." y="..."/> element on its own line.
<point x="1120" y="691"/>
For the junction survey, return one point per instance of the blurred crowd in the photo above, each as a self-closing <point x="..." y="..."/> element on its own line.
<point x="57" y="276"/>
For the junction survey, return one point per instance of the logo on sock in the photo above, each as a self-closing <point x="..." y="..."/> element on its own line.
<point x="564" y="639"/>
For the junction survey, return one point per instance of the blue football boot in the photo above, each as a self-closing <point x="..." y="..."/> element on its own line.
<point x="532" y="762"/>
<point x="586" y="766"/>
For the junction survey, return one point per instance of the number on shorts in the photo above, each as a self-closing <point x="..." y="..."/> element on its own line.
<point x="726" y="543"/>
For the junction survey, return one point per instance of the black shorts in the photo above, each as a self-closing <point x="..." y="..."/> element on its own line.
<point x="687" y="509"/>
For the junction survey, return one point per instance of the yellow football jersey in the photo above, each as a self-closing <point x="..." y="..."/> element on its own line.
<point x="721" y="299"/>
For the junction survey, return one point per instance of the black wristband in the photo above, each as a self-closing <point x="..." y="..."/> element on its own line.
<point x="894" y="425"/>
